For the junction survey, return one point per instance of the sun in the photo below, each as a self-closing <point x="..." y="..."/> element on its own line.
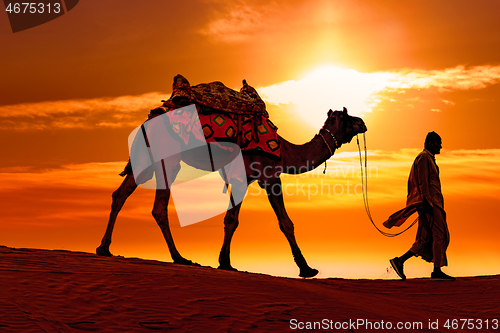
<point x="329" y="87"/>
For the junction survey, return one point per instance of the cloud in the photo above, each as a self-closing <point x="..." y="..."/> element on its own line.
<point x="264" y="21"/>
<point x="312" y="96"/>
<point x="457" y="78"/>
<point x="76" y="176"/>
<point x="241" y="21"/>
<point x="74" y="200"/>
<point x="236" y="25"/>
<point x="334" y="87"/>
<point x="123" y="111"/>
<point x="464" y="173"/>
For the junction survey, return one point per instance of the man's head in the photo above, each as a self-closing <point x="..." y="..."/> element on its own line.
<point x="433" y="142"/>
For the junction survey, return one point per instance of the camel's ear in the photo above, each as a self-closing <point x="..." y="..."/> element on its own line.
<point x="345" y="110"/>
<point x="330" y="113"/>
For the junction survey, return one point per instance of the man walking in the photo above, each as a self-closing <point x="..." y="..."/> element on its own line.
<point x="425" y="197"/>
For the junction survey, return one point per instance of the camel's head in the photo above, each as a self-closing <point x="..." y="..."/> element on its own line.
<point x="343" y="126"/>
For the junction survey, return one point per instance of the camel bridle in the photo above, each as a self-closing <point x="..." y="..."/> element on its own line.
<point x="336" y="145"/>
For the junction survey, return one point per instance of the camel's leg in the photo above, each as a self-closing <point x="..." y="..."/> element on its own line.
<point x="160" y="208"/>
<point x="230" y="224"/>
<point x="275" y="194"/>
<point x="119" y="197"/>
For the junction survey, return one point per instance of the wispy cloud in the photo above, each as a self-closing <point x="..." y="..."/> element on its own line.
<point x="123" y="111"/>
<point x="240" y="21"/>
<point x="77" y="176"/>
<point x="52" y="196"/>
<point x="323" y="89"/>
<point x="467" y="173"/>
<point x="457" y="78"/>
<point x="236" y="25"/>
<point x="333" y="87"/>
<point x="464" y="173"/>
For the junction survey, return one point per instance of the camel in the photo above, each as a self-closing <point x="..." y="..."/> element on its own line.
<point x="339" y="128"/>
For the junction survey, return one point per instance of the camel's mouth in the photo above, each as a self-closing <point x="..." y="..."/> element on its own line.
<point x="358" y="127"/>
<point x="361" y="127"/>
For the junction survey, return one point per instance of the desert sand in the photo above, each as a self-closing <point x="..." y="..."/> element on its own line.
<point x="63" y="291"/>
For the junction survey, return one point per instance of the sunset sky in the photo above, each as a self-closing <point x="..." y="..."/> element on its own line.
<point x="73" y="89"/>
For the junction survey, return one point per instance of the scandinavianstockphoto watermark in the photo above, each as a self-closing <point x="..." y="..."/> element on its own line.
<point x="310" y="190"/>
<point x="339" y="180"/>
<point x="337" y="171"/>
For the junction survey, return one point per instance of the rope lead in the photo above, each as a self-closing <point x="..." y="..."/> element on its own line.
<point x="364" y="185"/>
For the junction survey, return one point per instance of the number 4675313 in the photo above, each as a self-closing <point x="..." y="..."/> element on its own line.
<point x="33" y="8"/>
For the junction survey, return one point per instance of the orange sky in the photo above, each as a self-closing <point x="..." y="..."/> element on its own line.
<point x="74" y="88"/>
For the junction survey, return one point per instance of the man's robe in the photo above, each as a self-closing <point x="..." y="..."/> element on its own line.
<point x="424" y="186"/>
<point x="424" y="196"/>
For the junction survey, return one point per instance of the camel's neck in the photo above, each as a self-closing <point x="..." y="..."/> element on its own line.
<point x="303" y="158"/>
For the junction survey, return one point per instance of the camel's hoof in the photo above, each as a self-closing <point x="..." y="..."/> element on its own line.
<point x="308" y="272"/>
<point x="227" y="268"/>
<point x="103" y="251"/>
<point x="186" y="262"/>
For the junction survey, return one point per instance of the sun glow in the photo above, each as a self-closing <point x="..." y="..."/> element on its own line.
<point x="332" y="87"/>
<point x="329" y="87"/>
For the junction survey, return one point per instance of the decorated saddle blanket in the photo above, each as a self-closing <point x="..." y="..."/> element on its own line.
<point x="216" y="96"/>
<point x="258" y="132"/>
<point x="224" y="115"/>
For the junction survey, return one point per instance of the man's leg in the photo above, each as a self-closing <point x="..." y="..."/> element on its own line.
<point x="406" y="256"/>
<point x="398" y="262"/>
<point x="441" y="239"/>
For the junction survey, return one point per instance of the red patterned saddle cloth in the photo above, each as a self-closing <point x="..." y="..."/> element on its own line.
<point x="258" y="132"/>
<point x="225" y="115"/>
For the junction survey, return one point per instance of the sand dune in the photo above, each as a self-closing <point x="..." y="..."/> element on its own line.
<point x="62" y="291"/>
